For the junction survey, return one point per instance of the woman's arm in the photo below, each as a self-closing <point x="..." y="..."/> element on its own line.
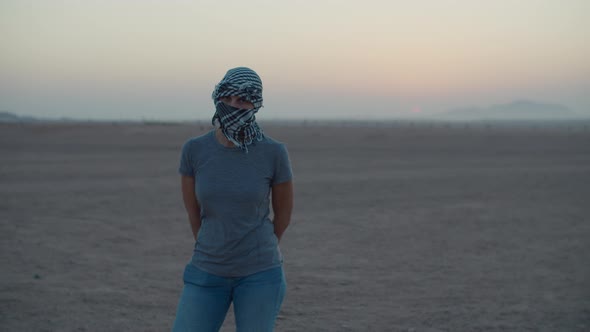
<point x="191" y="204"/>
<point x="282" y="206"/>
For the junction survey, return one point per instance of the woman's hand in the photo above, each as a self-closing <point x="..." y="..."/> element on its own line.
<point x="282" y="206"/>
<point x="191" y="204"/>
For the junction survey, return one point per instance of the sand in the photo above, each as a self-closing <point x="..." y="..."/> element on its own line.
<point x="395" y="228"/>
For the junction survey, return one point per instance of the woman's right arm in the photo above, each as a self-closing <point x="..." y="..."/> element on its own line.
<point x="191" y="204"/>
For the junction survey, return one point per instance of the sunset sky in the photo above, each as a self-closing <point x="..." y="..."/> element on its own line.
<point x="142" y="59"/>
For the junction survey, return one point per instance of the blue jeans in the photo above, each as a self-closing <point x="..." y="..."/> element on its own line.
<point x="205" y="300"/>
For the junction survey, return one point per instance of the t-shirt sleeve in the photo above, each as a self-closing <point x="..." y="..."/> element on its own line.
<point x="283" y="172"/>
<point x="186" y="161"/>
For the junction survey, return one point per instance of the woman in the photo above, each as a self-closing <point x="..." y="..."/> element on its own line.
<point x="229" y="177"/>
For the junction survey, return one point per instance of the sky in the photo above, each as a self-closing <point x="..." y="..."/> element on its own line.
<point x="160" y="59"/>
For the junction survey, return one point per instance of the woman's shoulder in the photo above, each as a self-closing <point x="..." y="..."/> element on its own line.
<point x="272" y="142"/>
<point x="200" y="140"/>
<point x="199" y="144"/>
<point x="273" y="147"/>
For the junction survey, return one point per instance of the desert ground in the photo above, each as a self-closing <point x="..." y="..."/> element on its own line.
<point x="395" y="228"/>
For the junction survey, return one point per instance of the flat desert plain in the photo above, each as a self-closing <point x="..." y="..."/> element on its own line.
<point x="395" y="228"/>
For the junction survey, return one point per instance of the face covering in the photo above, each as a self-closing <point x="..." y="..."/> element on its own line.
<point x="237" y="124"/>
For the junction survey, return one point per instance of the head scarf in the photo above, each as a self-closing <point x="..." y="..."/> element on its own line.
<point x="238" y="125"/>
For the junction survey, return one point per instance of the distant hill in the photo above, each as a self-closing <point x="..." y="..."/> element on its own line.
<point x="11" y="117"/>
<point x="517" y="110"/>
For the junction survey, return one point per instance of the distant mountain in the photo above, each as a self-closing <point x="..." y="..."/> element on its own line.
<point x="11" y="117"/>
<point x="516" y="110"/>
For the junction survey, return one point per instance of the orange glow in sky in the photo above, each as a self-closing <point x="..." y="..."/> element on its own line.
<point x="161" y="59"/>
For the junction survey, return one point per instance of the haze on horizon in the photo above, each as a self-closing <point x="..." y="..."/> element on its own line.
<point x="160" y="59"/>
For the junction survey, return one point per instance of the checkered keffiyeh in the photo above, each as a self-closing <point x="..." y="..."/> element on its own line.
<point x="242" y="82"/>
<point x="239" y="125"/>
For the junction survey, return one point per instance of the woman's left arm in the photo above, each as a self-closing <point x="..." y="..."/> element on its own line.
<point x="282" y="206"/>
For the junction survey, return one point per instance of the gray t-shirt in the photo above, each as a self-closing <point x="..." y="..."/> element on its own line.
<point x="233" y="188"/>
